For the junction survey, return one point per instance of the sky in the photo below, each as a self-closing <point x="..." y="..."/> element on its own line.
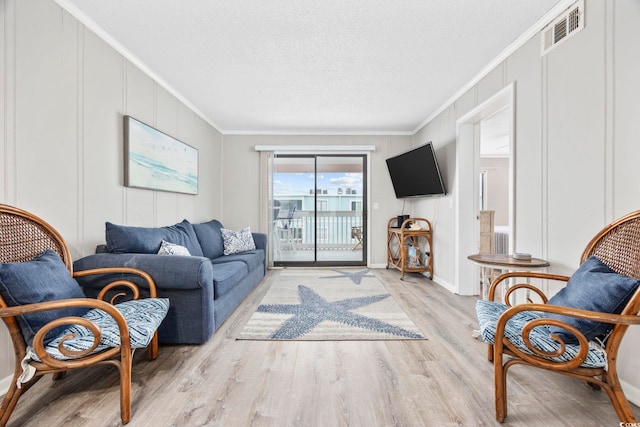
<point x="301" y="183"/>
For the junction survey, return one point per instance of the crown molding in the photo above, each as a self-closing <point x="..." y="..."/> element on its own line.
<point x="517" y="43"/>
<point x="107" y="38"/>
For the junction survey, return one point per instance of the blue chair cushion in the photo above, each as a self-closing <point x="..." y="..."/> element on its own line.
<point x="44" y="278"/>
<point x="147" y="240"/>
<point x="210" y="238"/>
<point x="488" y="314"/>
<point x="595" y="287"/>
<point x="143" y="317"/>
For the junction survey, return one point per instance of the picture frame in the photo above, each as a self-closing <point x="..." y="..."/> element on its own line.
<point x="156" y="161"/>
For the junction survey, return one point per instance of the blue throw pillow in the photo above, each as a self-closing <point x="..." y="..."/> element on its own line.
<point x="595" y="287"/>
<point x="210" y="238"/>
<point x="147" y="240"/>
<point x="44" y="278"/>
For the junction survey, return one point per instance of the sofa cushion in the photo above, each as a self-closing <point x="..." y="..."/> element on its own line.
<point x="147" y="240"/>
<point x="594" y="287"/>
<point x="253" y="259"/>
<point x="226" y="275"/>
<point x="210" y="238"/>
<point x="44" y="278"/>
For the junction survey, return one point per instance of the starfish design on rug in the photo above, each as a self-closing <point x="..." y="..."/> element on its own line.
<point x="314" y="309"/>
<point x="356" y="277"/>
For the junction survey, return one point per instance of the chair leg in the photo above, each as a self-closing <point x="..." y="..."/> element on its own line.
<point x="125" y="387"/>
<point x="618" y="399"/>
<point x="152" y="350"/>
<point x="500" y="379"/>
<point x="10" y="400"/>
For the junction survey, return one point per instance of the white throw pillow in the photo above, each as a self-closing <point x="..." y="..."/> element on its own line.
<point x="237" y="241"/>
<point x="168" y="248"/>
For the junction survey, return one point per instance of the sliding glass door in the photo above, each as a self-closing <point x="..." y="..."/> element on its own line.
<point x="318" y="210"/>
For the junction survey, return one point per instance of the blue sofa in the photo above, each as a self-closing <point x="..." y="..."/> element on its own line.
<point x="203" y="289"/>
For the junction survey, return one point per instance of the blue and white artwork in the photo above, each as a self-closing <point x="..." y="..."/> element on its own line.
<point x="157" y="161"/>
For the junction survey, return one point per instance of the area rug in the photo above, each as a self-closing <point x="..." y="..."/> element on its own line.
<point x="317" y="304"/>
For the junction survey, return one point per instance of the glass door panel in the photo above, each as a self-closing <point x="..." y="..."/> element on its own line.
<point x="340" y="215"/>
<point x="319" y="215"/>
<point x="294" y="213"/>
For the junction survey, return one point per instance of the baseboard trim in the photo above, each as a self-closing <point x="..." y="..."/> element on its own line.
<point x="448" y="286"/>
<point x="377" y="266"/>
<point x="632" y="392"/>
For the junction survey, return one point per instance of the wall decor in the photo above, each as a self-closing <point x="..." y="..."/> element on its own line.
<point x="157" y="161"/>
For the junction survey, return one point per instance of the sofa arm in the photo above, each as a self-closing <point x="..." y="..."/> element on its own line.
<point x="260" y="239"/>
<point x="169" y="272"/>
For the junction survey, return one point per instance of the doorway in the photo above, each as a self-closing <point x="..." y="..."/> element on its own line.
<point x="501" y="108"/>
<point x="494" y="183"/>
<point x="319" y="210"/>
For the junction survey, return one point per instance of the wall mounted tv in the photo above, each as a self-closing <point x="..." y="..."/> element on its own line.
<point x="416" y="173"/>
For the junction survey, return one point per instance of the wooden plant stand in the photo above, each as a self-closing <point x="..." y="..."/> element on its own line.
<point x="400" y="237"/>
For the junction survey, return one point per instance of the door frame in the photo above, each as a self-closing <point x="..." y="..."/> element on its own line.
<point x="466" y="182"/>
<point x="365" y="158"/>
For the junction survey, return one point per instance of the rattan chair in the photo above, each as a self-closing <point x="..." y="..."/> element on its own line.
<point x="24" y="236"/>
<point x="617" y="246"/>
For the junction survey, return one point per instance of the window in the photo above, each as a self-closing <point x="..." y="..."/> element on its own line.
<point x="356" y="205"/>
<point x="322" y="205"/>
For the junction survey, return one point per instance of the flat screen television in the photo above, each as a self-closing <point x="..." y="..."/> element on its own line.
<point x="416" y="173"/>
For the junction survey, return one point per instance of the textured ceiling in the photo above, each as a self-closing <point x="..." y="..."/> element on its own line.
<point x="311" y="66"/>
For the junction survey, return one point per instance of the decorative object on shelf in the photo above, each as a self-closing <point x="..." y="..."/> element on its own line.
<point x="413" y="259"/>
<point x="522" y="256"/>
<point x="157" y="161"/>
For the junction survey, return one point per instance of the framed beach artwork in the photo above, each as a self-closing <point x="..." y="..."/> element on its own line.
<point x="157" y="161"/>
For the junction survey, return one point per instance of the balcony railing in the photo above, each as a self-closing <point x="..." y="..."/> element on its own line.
<point x="335" y="229"/>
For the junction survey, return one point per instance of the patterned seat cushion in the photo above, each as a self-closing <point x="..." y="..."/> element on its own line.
<point x="143" y="317"/>
<point x="488" y="313"/>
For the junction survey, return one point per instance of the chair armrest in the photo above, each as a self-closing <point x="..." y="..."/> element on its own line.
<point x="168" y="272"/>
<point x="150" y="284"/>
<point x="38" y="340"/>
<point x="523" y="275"/>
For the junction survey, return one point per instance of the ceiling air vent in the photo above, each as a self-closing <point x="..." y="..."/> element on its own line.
<point x="564" y="26"/>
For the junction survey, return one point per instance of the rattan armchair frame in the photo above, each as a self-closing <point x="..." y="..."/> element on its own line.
<point x="618" y="246"/>
<point x="24" y="236"/>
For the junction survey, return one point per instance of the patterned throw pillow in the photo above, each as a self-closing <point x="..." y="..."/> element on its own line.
<point x="168" y="248"/>
<point x="237" y="241"/>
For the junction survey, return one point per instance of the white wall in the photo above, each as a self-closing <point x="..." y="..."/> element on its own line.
<point x="576" y="145"/>
<point x="64" y="94"/>
<point x="497" y="176"/>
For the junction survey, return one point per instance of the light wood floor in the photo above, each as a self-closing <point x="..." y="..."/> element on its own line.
<point x="443" y="381"/>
